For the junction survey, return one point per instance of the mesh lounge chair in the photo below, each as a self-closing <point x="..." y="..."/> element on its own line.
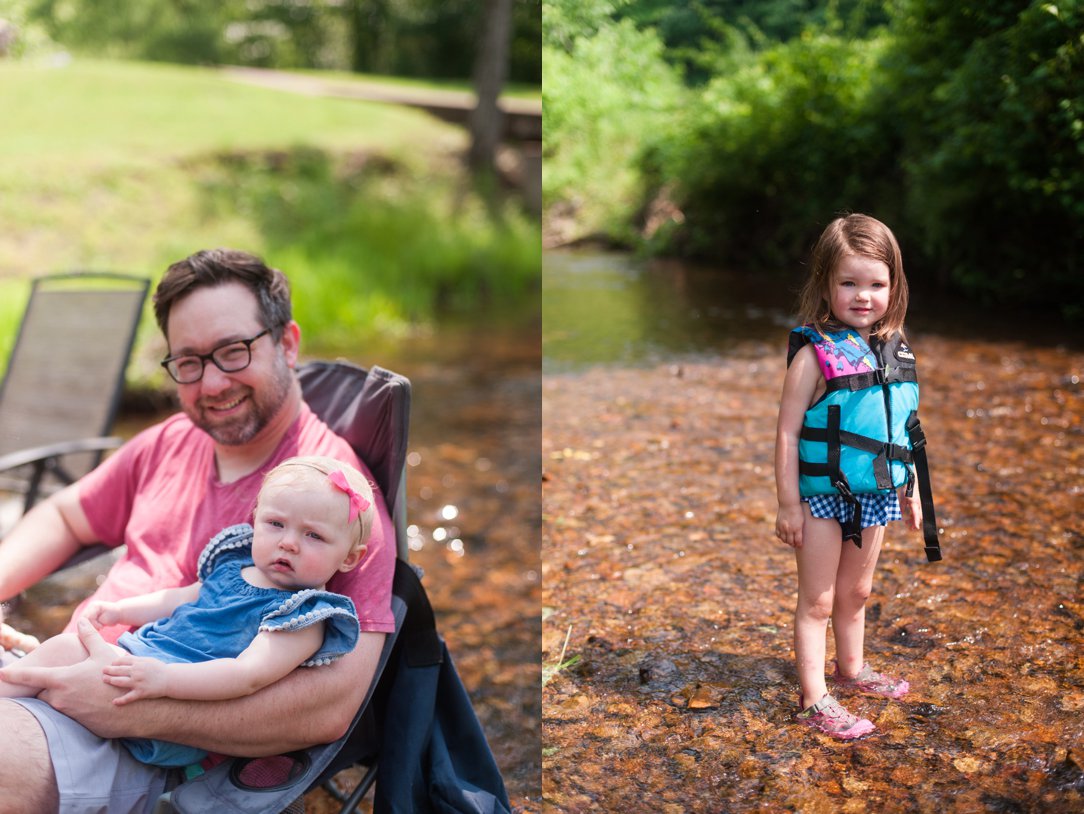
<point x="64" y="378"/>
<point x="371" y="410"/>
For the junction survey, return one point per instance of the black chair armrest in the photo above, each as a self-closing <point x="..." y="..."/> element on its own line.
<point x="49" y="451"/>
<point x="47" y="458"/>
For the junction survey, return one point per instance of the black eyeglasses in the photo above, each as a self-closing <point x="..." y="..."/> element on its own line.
<point x="232" y="357"/>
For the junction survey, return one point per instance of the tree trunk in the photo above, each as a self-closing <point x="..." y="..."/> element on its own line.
<point x="490" y="72"/>
<point x="369" y="20"/>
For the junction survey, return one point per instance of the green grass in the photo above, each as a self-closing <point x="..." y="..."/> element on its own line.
<point x="96" y="113"/>
<point x="129" y="166"/>
<point x="554" y="668"/>
<point x="512" y="89"/>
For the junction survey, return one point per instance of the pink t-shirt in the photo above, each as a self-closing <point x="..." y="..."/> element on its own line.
<point x="159" y="494"/>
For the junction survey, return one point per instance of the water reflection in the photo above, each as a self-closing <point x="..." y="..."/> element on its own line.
<point x="604" y="308"/>
<point x="608" y="308"/>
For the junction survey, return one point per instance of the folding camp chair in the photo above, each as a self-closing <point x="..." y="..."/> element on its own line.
<point x="371" y="410"/>
<point x="64" y="379"/>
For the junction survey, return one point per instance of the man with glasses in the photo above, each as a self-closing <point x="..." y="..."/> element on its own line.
<point x="232" y="348"/>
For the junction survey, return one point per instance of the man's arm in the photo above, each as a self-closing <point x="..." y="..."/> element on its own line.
<point x="307" y="707"/>
<point x="42" y="541"/>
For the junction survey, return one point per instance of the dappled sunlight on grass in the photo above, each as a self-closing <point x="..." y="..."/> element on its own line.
<point x="366" y="207"/>
<point x="101" y="113"/>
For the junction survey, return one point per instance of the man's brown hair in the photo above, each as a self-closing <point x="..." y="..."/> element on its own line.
<point x="212" y="267"/>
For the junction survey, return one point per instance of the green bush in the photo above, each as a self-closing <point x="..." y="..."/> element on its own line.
<point x="374" y="246"/>
<point x="960" y="123"/>
<point x="995" y="149"/>
<point x="604" y="97"/>
<point x="777" y="146"/>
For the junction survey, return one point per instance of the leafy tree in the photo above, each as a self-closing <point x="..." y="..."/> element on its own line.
<point x="564" y="22"/>
<point x="959" y="122"/>
<point x="440" y="38"/>
<point x="607" y="91"/>
<point x="425" y="38"/>
<point x="23" y="35"/>
<point x="994" y="143"/>
<point x="779" y="145"/>
<point x="155" y="29"/>
<point x="695" y="32"/>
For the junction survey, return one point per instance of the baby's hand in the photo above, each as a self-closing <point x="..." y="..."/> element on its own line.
<point x="11" y="639"/>
<point x="101" y="613"/>
<point x="142" y="677"/>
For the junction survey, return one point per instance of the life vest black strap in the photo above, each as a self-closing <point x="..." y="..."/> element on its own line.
<point x="882" y="472"/>
<point x="871" y="378"/>
<point x="852" y="529"/>
<point x="834" y="439"/>
<point x="892" y="452"/>
<point x="925" y="490"/>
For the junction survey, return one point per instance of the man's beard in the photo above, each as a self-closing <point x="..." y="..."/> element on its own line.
<point x="260" y="409"/>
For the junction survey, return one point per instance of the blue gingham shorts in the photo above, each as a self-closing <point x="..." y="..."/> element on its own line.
<point x="877" y="508"/>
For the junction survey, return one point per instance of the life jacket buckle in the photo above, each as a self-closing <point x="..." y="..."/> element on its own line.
<point x="917" y="436"/>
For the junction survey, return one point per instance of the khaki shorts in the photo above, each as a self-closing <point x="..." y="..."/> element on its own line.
<point x="93" y="775"/>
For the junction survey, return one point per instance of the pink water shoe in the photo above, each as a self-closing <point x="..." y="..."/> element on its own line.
<point x="829" y="717"/>
<point x="872" y="682"/>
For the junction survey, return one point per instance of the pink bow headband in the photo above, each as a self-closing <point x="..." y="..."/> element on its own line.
<point x="358" y="504"/>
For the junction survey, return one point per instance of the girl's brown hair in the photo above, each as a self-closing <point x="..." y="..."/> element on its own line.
<point x="854" y="235"/>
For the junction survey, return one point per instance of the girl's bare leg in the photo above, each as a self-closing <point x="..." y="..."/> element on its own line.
<point x="818" y="561"/>
<point x="59" y="651"/>
<point x="854" y="581"/>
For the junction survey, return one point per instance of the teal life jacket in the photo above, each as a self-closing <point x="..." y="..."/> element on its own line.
<point x="863" y="435"/>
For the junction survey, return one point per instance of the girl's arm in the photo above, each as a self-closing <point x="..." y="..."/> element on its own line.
<point x="139" y="610"/>
<point x="911" y="506"/>
<point x="799" y="388"/>
<point x="268" y="658"/>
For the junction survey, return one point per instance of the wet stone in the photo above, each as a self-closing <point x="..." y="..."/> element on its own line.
<point x="1004" y="805"/>
<point x="654" y="671"/>
<point x="909" y="636"/>
<point x="926" y="710"/>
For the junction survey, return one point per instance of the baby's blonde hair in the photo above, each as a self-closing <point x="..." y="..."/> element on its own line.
<point x="314" y="470"/>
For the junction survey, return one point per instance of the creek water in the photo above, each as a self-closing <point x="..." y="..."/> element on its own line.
<point x="672" y="604"/>
<point x="473" y="508"/>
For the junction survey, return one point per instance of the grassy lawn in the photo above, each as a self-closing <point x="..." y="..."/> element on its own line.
<point x="512" y="89"/>
<point x="93" y="114"/>
<point x="129" y="166"/>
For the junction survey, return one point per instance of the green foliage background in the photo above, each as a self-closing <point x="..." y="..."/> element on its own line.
<point x="368" y="208"/>
<point x="435" y="39"/>
<point x="961" y="124"/>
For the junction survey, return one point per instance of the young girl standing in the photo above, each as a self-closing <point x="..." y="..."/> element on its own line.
<point x="843" y="456"/>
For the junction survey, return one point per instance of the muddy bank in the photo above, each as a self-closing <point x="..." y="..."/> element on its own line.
<point x="658" y="506"/>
